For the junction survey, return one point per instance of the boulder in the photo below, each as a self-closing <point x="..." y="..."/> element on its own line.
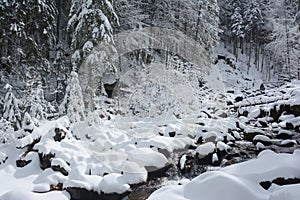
<point x="154" y="172"/>
<point x="60" y="134"/>
<point x="266" y="141"/>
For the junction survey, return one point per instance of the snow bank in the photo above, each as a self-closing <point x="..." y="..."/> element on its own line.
<point x="213" y="186"/>
<point x="21" y="194"/>
<point x="268" y="166"/>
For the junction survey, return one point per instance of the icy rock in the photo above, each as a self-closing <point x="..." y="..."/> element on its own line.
<point x="259" y="146"/>
<point x="284" y="134"/>
<point x="186" y="163"/>
<point x="210" y="137"/>
<point x="182" y="162"/>
<point x="205" y="149"/>
<point x="262" y="139"/>
<point x="113" y="183"/>
<point x="275" y="125"/>
<point x="250" y="133"/>
<point x="205" y="152"/>
<point x="288" y="143"/>
<point x="215" y="160"/>
<point x="221" y="146"/>
<point x="253" y="114"/>
<point x="236" y="135"/>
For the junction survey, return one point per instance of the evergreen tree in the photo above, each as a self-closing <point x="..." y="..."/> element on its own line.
<point x="11" y="111"/>
<point x="237" y="29"/>
<point x="91" y="30"/>
<point x="253" y="23"/>
<point x="72" y="104"/>
<point x="38" y="105"/>
<point x="89" y="24"/>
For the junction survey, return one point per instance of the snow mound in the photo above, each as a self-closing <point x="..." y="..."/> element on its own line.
<point x="20" y="194"/>
<point x="113" y="183"/>
<point x="213" y="186"/>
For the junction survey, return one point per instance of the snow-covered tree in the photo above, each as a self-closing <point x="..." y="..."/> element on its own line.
<point x="11" y="110"/>
<point x="72" y="104"/>
<point x="27" y="29"/>
<point x="283" y="46"/>
<point x="38" y="105"/>
<point x="131" y="14"/>
<point x="237" y="28"/>
<point x="253" y="23"/>
<point x="90" y="22"/>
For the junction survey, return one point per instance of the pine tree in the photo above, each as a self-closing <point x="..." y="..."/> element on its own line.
<point x="131" y="15"/>
<point x="72" y="104"/>
<point x="11" y="111"/>
<point x="90" y="22"/>
<point x="253" y="23"/>
<point x="237" y="29"/>
<point x="38" y="105"/>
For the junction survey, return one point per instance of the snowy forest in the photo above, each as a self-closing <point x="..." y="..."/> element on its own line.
<point x="150" y="99"/>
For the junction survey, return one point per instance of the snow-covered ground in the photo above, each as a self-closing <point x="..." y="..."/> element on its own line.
<point x="108" y="153"/>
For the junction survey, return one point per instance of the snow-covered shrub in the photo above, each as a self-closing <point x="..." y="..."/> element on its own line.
<point x="6" y="132"/>
<point x="27" y="123"/>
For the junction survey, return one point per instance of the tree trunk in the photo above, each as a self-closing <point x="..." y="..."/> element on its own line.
<point x="250" y="52"/>
<point x="198" y="22"/>
<point x="235" y="47"/>
<point x="242" y="45"/>
<point x="58" y="38"/>
<point x="256" y="51"/>
<point x="287" y="46"/>
<point x="262" y="59"/>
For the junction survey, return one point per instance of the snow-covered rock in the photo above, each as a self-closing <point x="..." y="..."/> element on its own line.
<point x="113" y="183"/>
<point x="205" y="149"/>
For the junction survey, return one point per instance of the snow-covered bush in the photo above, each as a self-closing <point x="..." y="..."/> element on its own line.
<point x="6" y="132"/>
<point x="27" y="123"/>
